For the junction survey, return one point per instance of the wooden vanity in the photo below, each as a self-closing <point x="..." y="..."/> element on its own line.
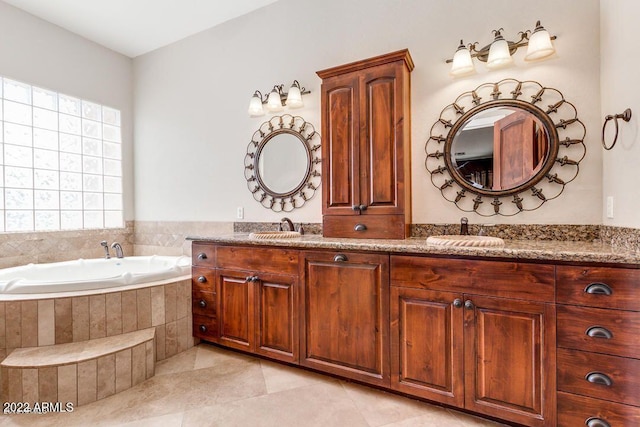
<point x="537" y="342"/>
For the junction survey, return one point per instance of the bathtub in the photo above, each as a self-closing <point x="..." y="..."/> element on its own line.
<point x="91" y="274"/>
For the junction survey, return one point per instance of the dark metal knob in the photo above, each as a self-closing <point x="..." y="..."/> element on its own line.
<point x="202" y="279"/>
<point x="457" y="303"/>
<point x="356" y="208"/>
<point x="596" y="422"/>
<point x="202" y="256"/>
<point x="599" y="378"/>
<point x="363" y="208"/>
<point x="360" y="227"/>
<point x="468" y="304"/>
<point x="255" y="278"/>
<point x="340" y="258"/>
<point x="203" y="328"/>
<point x="598" y="288"/>
<point x="599" y="332"/>
<point x="202" y="303"/>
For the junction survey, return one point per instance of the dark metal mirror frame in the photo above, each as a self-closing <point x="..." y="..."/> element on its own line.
<point x="566" y="147"/>
<point x="309" y="138"/>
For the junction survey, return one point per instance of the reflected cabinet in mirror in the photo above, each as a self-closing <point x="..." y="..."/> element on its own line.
<point x="505" y="148"/>
<point x="282" y="164"/>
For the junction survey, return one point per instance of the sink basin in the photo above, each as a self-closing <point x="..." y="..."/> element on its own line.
<point x="262" y="235"/>
<point x="467" y="241"/>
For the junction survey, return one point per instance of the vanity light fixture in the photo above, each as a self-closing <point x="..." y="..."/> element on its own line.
<point x="500" y="52"/>
<point x="276" y="100"/>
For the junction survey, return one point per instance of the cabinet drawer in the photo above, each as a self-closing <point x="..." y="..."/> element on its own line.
<point x="375" y="226"/>
<point x="599" y="287"/>
<point x="576" y="410"/>
<point x="205" y="327"/>
<point x="204" y="303"/>
<point x="534" y="282"/>
<point x="268" y="260"/>
<point x="203" y="279"/>
<point x="597" y="330"/>
<point x="599" y="375"/>
<point x="203" y="255"/>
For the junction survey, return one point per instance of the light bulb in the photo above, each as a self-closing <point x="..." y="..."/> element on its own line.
<point x="540" y="45"/>
<point x="255" y="106"/>
<point x="462" y="63"/>
<point x="274" y="103"/>
<point x="294" y="97"/>
<point x="499" y="55"/>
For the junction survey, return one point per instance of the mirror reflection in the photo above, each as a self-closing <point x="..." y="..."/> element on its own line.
<point x="500" y="148"/>
<point x="283" y="163"/>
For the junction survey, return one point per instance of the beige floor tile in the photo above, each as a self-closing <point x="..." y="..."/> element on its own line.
<point x="208" y="356"/>
<point x="279" y="377"/>
<point x="181" y="362"/>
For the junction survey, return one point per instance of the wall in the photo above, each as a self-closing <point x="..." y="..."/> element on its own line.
<point x="192" y="128"/>
<point x="620" y="90"/>
<point x="37" y="52"/>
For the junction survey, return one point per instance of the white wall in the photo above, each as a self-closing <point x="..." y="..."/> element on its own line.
<point x="39" y="53"/>
<point x="192" y="128"/>
<point x="620" y="90"/>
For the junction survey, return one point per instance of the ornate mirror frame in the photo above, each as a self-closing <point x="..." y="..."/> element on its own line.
<point x="306" y="188"/>
<point x="565" y="150"/>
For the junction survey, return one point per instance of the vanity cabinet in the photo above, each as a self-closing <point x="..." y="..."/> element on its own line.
<point x="366" y="148"/>
<point x="598" y="346"/>
<point x="345" y="315"/>
<point x="475" y="334"/>
<point x="203" y="292"/>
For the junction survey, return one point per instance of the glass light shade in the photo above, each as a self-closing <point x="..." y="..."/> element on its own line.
<point x="294" y="98"/>
<point x="540" y="45"/>
<point x="255" y="107"/>
<point x="274" y="103"/>
<point x="499" y="55"/>
<point x="462" y="63"/>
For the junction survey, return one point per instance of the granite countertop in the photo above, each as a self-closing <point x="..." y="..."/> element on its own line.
<point x="551" y="250"/>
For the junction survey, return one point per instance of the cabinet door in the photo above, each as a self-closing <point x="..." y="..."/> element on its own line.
<point x="427" y="344"/>
<point x="235" y="304"/>
<point x="510" y="359"/>
<point x="346" y="315"/>
<point x="276" y="317"/>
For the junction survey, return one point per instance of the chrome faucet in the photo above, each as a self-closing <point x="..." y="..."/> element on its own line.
<point x="118" y="249"/>
<point x="105" y="245"/>
<point x="464" y="226"/>
<point x="289" y="224"/>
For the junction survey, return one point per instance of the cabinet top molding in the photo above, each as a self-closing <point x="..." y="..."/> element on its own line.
<point x="400" y="55"/>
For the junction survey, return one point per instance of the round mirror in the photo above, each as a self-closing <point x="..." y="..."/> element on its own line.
<point x="283" y="162"/>
<point x="282" y="166"/>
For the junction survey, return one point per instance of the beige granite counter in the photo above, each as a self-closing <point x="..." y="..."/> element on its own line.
<point x="565" y="251"/>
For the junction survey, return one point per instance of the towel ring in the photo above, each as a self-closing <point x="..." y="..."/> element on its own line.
<point x="626" y="116"/>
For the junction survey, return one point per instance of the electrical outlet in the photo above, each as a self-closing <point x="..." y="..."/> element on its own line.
<point x="240" y="212"/>
<point x="610" y="207"/>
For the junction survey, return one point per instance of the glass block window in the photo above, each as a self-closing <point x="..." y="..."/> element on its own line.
<point x="60" y="161"/>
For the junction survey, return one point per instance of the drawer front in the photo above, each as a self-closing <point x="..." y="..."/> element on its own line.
<point x="268" y="260"/>
<point x="365" y="226"/>
<point x="203" y="279"/>
<point x="599" y="287"/>
<point x="534" y="282"/>
<point x="205" y="327"/>
<point x="597" y="330"/>
<point x="203" y="255"/>
<point x="576" y="410"/>
<point x="599" y="375"/>
<point x="204" y="303"/>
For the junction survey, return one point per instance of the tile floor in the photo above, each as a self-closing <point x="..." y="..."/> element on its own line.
<point x="209" y="386"/>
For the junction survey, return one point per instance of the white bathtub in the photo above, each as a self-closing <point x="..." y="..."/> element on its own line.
<point x="91" y="274"/>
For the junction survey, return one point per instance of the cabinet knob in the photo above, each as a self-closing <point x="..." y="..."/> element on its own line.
<point x="356" y="208"/>
<point x="596" y="422"/>
<point x="202" y="256"/>
<point x="340" y="258"/>
<point x="251" y="279"/>
<point x="598" y="288"/>
<point x="202" y="303"/>
<point x="457" y="303"/>
<point x="203" y="328"/>
<point x="468" y="304"/>
<point x="202" y="279"/>
<point x="360" y="227"/>
<point x="363" y="208"/>
<point x="599" y="332"/>
<point x="599" y="378"/>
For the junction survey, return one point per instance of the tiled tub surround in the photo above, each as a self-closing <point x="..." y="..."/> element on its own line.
<point x="168" y="237"/>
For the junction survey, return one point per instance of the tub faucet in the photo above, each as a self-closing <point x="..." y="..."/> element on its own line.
<point x="464" y="226"/>
<point x="289" y="224"/>
<point x="118" y="249"/>
<point x="105" y="245"/>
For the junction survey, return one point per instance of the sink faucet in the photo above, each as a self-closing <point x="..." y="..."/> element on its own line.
<point x="105" y="245"/>
<point x="118" y="249"/>
<point x="464" y="226"/>
<point x="289" y="224"/>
